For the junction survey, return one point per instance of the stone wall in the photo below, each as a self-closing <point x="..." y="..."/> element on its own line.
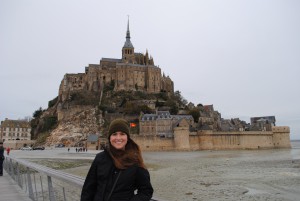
<point x="153" y="143"/>
<point x="279" y="137"/>
<point x="181" y="138"/>
<point x="17" y="144"/>
<point x="235" y="140"/>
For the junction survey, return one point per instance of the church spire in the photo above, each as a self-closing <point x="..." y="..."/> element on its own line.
<point x="128" y="49"/>
<point x="128" y="43"/>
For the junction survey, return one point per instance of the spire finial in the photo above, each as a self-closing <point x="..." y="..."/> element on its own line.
<point x="128" y="23"/>
<point x="128" y="32"/>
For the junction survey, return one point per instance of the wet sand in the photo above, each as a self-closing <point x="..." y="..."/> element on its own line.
<point x="226" y="175"/>
<point x="211" y="175"/>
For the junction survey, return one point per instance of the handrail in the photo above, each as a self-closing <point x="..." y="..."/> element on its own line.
<point x="23" y="172"/>
<point x="57" y="174"/>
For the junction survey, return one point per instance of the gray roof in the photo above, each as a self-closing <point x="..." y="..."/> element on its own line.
<point x="148" y="117"/>
<point x="111" y="59"/>
<point x="182" y="117"/>
<point x="128" y="43"/>
<point x="165" y="115"/>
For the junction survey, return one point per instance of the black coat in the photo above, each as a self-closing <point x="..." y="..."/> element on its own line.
<point x="102" y="175"/>
<point x="1" y="153"/>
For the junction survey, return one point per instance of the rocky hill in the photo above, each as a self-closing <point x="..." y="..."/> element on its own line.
<point x="73" y="130"/>
<point x="83" y="113"/>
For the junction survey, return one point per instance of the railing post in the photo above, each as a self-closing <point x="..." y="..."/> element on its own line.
<point x="30" y="189"/>
<point x="25" y="182"/>
<point x="5" y="164"/>
<point x="13" y="172"/>
<point x="42" y="187"/>
<point x="11" y="168"/>
<point x="18" y="174"/>
<point x="64" y="193"/>
<point x="36" y="193"/>
<point x="21" y="181"/>
<point x="50" y="189"/>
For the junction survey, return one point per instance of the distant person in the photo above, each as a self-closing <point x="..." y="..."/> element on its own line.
<point x="1" y="158"/>
<point x="119" y="170"/>
<point x="68" y="149"/>
<point x="7" y="150"/>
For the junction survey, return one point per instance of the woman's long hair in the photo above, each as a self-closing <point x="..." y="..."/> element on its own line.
<point x="125" y="158"/>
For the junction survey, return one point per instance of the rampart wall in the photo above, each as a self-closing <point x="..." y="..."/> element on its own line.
<point x="153" y="143"/>
<point x="17" y="144"/>
<point x="279" y="137"/>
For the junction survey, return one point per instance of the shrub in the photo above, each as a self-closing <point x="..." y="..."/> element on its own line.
<point x="49" y="123"/>
<point x="52" y="102"/>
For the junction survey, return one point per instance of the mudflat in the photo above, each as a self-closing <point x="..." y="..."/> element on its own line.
<point x="226" y="175"/>
<point x="206" y="175"/>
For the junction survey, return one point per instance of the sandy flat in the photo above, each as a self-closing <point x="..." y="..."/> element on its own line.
<point x="210" y="175"/>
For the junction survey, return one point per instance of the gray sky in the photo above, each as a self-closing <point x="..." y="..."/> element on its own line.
<point x="241" y="56"/>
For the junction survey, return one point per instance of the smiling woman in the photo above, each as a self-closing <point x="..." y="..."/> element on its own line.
<point x="118" y="140"/>
<point x="118" y="171"/>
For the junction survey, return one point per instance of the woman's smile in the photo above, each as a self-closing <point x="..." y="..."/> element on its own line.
<point x="119" y="140"/>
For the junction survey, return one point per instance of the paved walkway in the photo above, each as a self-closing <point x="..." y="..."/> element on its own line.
<point x="10" y="191"/>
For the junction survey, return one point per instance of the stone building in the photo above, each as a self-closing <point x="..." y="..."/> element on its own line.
<point x="264" y="123"/>
<point x="209" y="118"/>
<point x="92" y="142"/>
<point x="234" y="124"/>
<point x="134" y="71"/>
<point x="15" y="130"/>
<point x="161" y="123"/>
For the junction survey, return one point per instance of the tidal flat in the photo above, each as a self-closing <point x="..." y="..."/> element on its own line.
<point x="272" y="174"/>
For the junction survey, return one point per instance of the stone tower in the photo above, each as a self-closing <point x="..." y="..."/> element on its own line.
<point x="128" y="49"/>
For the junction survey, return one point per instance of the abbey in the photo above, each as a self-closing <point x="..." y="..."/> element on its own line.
<point x="134" y="71"/>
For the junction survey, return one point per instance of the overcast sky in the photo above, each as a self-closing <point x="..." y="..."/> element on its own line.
<point x="241" y="56"/>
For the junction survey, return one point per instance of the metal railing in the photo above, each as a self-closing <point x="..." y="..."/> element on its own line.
<point x="41" y="183"/>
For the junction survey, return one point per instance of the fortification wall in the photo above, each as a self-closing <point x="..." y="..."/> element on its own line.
<point x="194" y="142"/>
<point x="235" y="140"/>
<point x="153" y="143"/>
<point x="279" y="137"/>
<point x="17" y="144"/>
<point x="181" y="138"/>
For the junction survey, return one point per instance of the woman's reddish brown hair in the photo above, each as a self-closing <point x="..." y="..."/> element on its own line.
<point x="125" y="158"/>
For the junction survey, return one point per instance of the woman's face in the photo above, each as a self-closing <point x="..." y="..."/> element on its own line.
<point x="118" y="140"/>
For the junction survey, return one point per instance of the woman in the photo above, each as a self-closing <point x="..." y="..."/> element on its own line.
<point x="119" y="170"/>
